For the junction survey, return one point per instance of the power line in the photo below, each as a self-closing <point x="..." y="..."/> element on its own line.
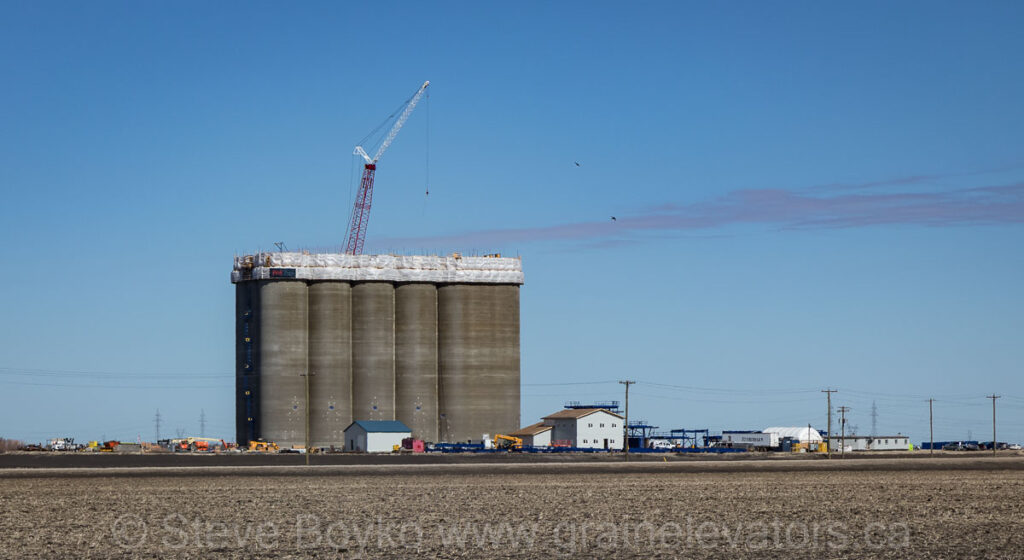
<point x="5" y="370"/>
<point x="750" y="400"/>
<point x="568" y="383"/>
<point x="725" y="390"/>
<point x="211" y="387"/>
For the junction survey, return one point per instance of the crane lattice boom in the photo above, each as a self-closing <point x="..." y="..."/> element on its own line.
<point x="364" y="197"/>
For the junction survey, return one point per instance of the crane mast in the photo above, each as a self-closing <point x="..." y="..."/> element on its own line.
<point x="364" y="197"/>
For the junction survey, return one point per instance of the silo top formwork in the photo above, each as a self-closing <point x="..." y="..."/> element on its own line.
<point x="453" y="269"/>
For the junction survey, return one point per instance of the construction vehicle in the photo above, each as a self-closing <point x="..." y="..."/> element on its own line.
<point x="361" y="208"/>
<point x="510" y="443"/>
<point x="263" y="446"/>
<point x="64" y="444"/>
<point x="204" y="444"/>
<point x="195" y="444"/>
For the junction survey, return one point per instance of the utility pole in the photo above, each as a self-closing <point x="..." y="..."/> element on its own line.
<point x="931" y="429"/>
<point x="828" y="394"/>
<point x="993" y="396"/>
<point x="202" y="422"/>
<point x="842" y="441"/>
<point x="625" y="427"/>
<point x="156" y="421"/>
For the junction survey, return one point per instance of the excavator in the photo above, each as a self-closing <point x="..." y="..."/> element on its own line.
<point x="510" y="443"/>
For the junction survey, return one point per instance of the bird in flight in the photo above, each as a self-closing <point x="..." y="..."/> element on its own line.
<point x="613" y="219"/>
<point x="577" y="163"/>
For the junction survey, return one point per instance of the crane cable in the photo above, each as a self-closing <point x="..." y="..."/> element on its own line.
<point x="426" y="180"/>
<point x="383" y="124"/>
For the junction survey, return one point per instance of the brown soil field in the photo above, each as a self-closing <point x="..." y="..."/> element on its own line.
<point x="17" y="460"/>
<point x="896" y="509"/>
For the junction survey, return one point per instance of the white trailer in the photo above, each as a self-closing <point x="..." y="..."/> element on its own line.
<point x="750" y="440"/>
<point x="63" y="444"/>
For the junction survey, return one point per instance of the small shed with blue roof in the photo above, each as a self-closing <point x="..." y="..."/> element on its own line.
<point x="375" y="436"/>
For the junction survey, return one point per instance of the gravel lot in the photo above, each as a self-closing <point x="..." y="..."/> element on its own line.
<point x="934" y="509"/>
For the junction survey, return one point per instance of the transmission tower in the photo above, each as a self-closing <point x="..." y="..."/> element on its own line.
<point x="874" y="419"/>
<point x="156" y="422"/>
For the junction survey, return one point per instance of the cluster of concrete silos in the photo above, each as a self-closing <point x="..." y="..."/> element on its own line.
<point x="440" y="356"/>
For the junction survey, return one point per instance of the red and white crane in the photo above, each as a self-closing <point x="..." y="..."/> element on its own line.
<point x="361" y="209"/>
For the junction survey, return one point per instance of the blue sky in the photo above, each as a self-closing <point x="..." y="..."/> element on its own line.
<point x="806" y="196"/>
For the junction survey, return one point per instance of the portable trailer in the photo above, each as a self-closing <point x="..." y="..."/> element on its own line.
<point x="750" y="439"/>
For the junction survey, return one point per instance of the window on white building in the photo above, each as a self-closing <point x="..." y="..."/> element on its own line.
<point x="590" y="425"/>
<point x="613" y="424"/>
<point x="602" y="424"/>
<point x="584" y="441"/>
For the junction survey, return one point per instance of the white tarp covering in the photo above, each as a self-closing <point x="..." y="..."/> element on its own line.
<point x="801" y="434"/>
<point x="387" y="268"/>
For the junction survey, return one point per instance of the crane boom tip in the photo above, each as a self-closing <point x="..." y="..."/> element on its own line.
<point x="425" y="84"/>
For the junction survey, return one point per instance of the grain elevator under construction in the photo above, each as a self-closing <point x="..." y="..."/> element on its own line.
<point x="430" y="341"/>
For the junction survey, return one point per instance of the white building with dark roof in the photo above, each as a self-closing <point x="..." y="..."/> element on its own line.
<point x="534" y="435"/>
<point x="592" y="428"/>
<point x="375" y="436"/>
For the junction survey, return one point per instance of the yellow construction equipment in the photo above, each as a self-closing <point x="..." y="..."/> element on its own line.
<point x="511" y="443"/>
<point x="263" y="446"/>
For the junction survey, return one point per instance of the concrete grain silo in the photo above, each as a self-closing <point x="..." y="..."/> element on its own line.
<point x="416" y="379"/>
<point x="283" y="332"/>
<point x="430" y="341"/>
<point x="373" y="351"/>
<point x="330" y="359"/>
<point x="478" y="345"/>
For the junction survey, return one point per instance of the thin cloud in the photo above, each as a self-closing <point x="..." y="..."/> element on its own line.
<point x="910" y="180"/>
<point x="898" y="181"/>
<point x="782" y="208"/>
